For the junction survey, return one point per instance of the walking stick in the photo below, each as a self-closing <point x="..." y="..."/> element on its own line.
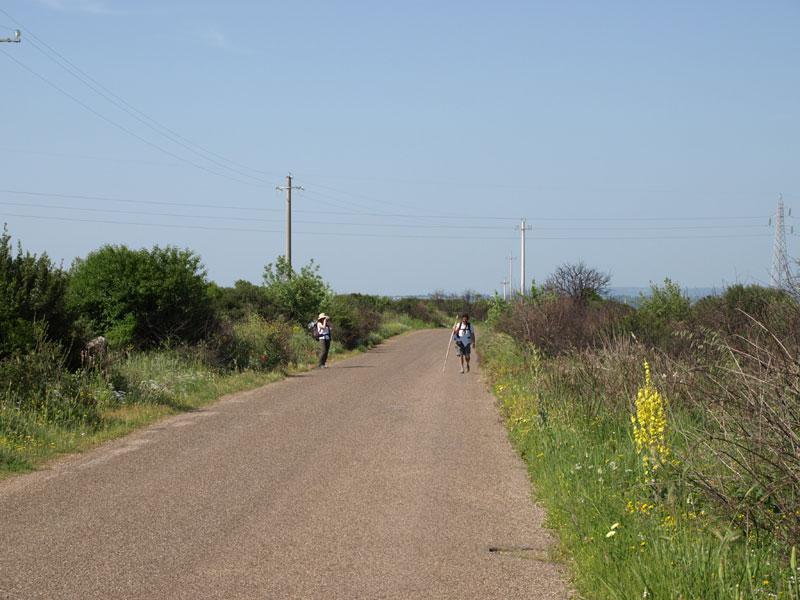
<point x="444" y="366"/>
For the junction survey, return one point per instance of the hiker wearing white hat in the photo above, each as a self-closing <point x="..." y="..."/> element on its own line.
<point x="323" y="334"/>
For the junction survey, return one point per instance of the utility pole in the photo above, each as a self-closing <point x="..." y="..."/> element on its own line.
<point x="522" y="285"/>
<point x="510" y="259"/>
<point x="289" y="189"/>
<point x="781" y="275"/>
<point x="504" y="283"/>
<point x="15" y="40"/>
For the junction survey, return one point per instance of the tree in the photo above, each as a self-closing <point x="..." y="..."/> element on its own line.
<point x="32" y="292"/>
<point x="578" y="281"/>
<point x="243" y="299"/>
<point x="141" y="296"/>
<point x="297" y="297"/>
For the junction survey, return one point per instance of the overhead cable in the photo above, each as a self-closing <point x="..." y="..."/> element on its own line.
<point x="125" y="129"/>
<point x="115" y="99"/>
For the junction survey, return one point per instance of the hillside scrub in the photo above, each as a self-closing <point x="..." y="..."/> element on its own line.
<point x="663" y="442"/>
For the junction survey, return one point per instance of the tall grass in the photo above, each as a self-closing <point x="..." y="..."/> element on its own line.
<point x="628" y="533"/>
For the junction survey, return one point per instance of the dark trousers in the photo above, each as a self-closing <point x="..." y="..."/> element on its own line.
<point x="324" y="346"/>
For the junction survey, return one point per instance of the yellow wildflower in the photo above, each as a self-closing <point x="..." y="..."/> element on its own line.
<point x="650" y="425"/>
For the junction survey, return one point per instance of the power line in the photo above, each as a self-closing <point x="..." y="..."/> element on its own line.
<point x="348" y="213"/>
<point x="404" y="215"/>
<point x="247" y="219"/>
<point x="146" y="121"/>
<point x="128" y="201"/>
<point x="362" y="224"/>
<point x="115" y="99"/>
<point x="353" y="195"/>
<point x="123" y="128"/>
<point x="89" y="157"/>
<point x="141" y="213"/>
<point x="241" y="229"/>
<point x="386" y="235"/>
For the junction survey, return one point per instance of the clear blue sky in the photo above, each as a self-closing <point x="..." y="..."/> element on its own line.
<point x="594" y="113"/>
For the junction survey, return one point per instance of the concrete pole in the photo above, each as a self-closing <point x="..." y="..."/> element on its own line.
<point x="522" y="284"/>
<point x="289" y="222"/>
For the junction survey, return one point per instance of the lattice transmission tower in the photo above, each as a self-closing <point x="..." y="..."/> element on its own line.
<point x="781" y="276"/>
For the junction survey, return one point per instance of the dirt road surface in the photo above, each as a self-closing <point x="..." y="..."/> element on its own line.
<point x="380" y="477"/>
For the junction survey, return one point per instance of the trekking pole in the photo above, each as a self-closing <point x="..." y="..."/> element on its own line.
<point x="444" y="366"/>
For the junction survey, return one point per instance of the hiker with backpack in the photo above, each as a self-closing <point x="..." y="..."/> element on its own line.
<point x="464" y="337"/>
<point x="321" y="330"/>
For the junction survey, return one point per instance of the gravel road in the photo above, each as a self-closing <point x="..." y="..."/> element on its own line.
<point x="380" y="477"/>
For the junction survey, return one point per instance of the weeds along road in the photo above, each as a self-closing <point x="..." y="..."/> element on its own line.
<point x="380" y="477"/>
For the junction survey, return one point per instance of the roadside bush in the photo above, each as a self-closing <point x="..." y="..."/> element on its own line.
<point x="141" y="297"/>
<point x="297" y="297"/>
<point x="560" y="324"/>
<point x="32" y="299"/>
<point x="353" y="319"/>
<point x="498" y="308"/>
<point x="746" y="457"/>
<point x="37" y="382"/>
<point x="237" y="302"/>
<point x="303" y="347"/>
<point x="734" y="312"/>
<point x="452" y="306"/>
<point x="252" y="343"/>
<point x="419" y="309"/>
<point x="660" y="314"/>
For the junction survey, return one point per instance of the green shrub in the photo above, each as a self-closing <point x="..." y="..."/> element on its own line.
<point x="235" y="303"/>
<point x="303" y="347"/>
<point x="32" y="299"/>
<point x="749" y="311"/>
<point x="497" y="309"/>
<point x="143" y="297"/>
<point x="661" y="312"/>
<point x="37" y="382"/>
<point x="450" y="306"/>
<point x="252" y="343"/>
<point x="352" y="319"/>
<point x="297" y="297"/>
<point x="416" y="309"/>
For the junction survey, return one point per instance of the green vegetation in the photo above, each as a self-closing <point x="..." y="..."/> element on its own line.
<point x="295" y="296"/>
<point x="141" y="297"/>
<point x="663" y="441"/>
<point x="31" y="299"/>
<point x="175" y="340"/>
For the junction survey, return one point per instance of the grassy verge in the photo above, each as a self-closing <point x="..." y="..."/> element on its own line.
<point x="85" y="409"/>
<point x="625" y="533"/>
<point x="151" y="386"/>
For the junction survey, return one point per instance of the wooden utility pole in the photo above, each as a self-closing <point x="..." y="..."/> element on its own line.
<point x="289" y="189"/>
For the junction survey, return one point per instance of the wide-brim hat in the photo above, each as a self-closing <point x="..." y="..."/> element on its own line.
<point x="323" y="316"/>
